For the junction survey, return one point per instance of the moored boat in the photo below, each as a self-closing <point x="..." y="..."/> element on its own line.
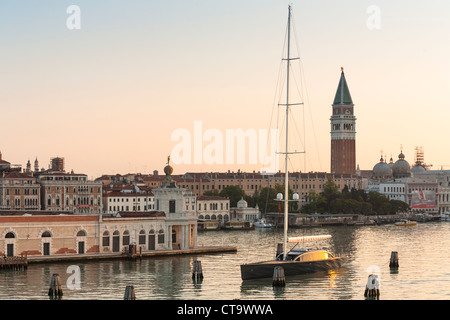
<point x="296" y="261"/>
<point x="445" y="216"/>
<point x="262" y="223"/>
<point x="238" y="225"/>
<point x="209" y="225"/>
<point x="402" y="223"/>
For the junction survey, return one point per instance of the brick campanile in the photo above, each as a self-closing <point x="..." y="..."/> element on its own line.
<point x="343" y="134"/>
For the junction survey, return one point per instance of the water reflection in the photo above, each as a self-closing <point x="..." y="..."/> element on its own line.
<point x="423" y="273"/>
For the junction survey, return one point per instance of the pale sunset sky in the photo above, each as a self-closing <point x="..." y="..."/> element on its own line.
<point x="108" y="96"/>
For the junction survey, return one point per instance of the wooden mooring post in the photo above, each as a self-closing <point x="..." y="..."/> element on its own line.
<point x="55" y="290"/>
<point x="372" y="287"/>
<point x="279" y="250"/>
<point x="279" y="279"/>
<point x="394" y="260"/>
<point x="129" y="293"/>
<point x="197" y="272"/>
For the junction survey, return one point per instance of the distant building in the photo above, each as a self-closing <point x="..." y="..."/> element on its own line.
<point x="127" y="197"/>
<point x="61" y="191"/>
<point x="213" y="208"/>
<point x="343" y="131"/>
<point x="57" y="164"/>
<point x="19" y="191"/>
<point x="6" y="166"/>
<point x="244" y="213"/>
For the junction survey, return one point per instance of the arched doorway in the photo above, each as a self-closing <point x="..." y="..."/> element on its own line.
<point x="152" y="240"/>
<point x="81" y="238"/>
<point x="175" y="245"/>
<point x="116" y="241"/>
<point x="46" y="239"/>
<point x="10" y="244"/>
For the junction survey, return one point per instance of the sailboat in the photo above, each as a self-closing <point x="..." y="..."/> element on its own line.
<point x="295" y="261"/>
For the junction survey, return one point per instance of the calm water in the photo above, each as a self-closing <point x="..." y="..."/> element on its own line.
<point x="424" y="272"/>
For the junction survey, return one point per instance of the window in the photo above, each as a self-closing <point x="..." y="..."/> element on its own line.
<point x="161" y="236"/>
<point x="10" y="235"/>
<point x="81" y="233"/>
<point x="126" y="238"/>
<point x="171" y="206"/>
<point x="46" y="234"/>
<point x="105" y="239"/>
<point x="142" y="237"/>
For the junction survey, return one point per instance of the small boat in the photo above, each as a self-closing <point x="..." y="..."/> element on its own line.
<point x="262" y="223"/>
<point x="405" y="223"/>
<point x="238" y="225"/>
<point x="445" y="216"/>
<point x="208" y="225"/>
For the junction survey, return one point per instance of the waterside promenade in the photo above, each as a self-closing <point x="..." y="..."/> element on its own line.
<point x="127" y="255"/>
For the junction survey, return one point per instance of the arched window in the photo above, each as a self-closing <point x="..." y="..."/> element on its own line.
<point x="142" y="237"/>
<point x="81" y="233"/>
<point x="126" y="238"/>
<point x="10" y="235"/>
<point x="46" y="234"/>
<point x="161" y="236"/>
<point x="105" y="239"/>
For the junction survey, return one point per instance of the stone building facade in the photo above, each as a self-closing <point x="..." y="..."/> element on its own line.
<point x="19" y="191"/>
<point x="62" y="191"/>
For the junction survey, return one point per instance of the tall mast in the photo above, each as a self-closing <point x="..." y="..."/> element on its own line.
<point x="286" y="180"/>
<point x="286" y="153"/>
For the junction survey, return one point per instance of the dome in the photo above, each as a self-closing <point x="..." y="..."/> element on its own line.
<point x="381" y="169"/>
<point x="168" y="170"/>
<point x="418" y="168"/>
<point x="242" y="204"/>
<point x="401" y="167"/>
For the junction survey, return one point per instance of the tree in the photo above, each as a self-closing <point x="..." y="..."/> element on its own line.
<point x="316" y="203"/>
<point x="234" y="193"/>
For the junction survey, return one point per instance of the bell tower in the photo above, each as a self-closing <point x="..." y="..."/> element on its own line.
<point x="343" y="131"/>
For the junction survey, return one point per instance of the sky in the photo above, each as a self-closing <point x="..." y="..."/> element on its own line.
<point x="110" y="86"/>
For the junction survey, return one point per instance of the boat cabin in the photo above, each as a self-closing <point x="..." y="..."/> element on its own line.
<point x="302" y="254"/>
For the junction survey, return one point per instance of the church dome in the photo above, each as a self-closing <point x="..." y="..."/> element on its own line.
<point x="382" y="169"/>
<point x="242" y="203"/>
<point x="401" y="167"/>
<point x="418" y="168"/>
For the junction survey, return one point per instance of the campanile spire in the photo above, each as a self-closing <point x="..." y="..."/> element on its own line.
<point x="343" y="130"/>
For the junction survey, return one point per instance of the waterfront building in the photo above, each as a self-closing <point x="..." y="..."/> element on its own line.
<point x="39" y="233"/>
<point x="242" y="212"/>
<point x="19" y="191"/>
<point x="62" y="191"/>
<point x="441" y="178"/>
<point x="181" y="224"/>
<point x="47" y="233"/>
<point x="214" y="208"/>
<point x="343" y="131"/>
<point x="43" y="233"/>
<point x="425" y="191"/>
